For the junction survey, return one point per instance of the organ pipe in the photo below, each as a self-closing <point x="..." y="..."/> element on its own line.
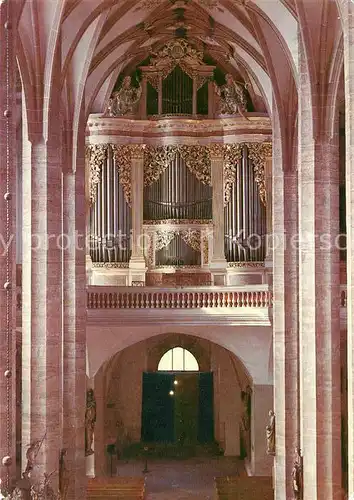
<point x="178" y="253"/>
<point x="245" y="217"/>
<point x="178" y="194"/>
<point x="110" y="217"/>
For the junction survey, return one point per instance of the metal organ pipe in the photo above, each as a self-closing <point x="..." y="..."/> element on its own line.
<point x="110" y="217"/>
<point x="245" y="216"/>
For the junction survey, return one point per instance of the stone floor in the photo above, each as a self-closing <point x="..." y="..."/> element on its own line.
<point x="191" y="479"/>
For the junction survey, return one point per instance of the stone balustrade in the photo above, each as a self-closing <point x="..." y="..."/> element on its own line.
<point x="99" y="297"/>
<point x="111" y="297"/>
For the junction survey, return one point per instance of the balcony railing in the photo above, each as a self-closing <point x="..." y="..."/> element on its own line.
<point x="99" y="297"/>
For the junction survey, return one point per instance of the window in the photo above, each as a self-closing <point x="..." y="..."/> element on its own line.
<point x="178" y="360"/>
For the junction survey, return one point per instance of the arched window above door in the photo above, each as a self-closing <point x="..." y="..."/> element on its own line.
<point x="178" y="359"/>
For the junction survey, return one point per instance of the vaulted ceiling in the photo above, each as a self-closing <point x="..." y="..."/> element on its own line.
<point x="88" y="43"/>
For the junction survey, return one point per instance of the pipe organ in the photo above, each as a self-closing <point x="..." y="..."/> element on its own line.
<point x="179" y="171"/>
<point x="177" y="204"/>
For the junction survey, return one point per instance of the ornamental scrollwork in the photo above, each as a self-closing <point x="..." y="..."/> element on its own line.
<point x="123" y="160"/>
<point x="233" y="154"/>
<point x="192" y="237"/>
<point x="198" y="162"/>
<point x="258" y="154"/>
<point x="157" y="159"/>
<point x="96" y="155"/>
<point x="163" y="239"/>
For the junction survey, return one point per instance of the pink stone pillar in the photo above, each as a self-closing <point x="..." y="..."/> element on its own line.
<point x="74" y="323"/>
<point x="137" y="265"/>
<point x="347" y="8"/>
<point x="218" y="262"/>
<point x="285" y="317"/>
<point x="41" y="312"/>
<point x="8" y="34"/>
<point x="319" y="298"/>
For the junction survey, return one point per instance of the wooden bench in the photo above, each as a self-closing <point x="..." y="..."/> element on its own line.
<point x="244" y="488"/>
<point x="118" y="488"/>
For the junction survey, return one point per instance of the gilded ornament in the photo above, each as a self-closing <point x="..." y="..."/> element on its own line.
<point x="232" y="97"/>
<point x="232" y="156"/>
<point x="217" y="151"/>
<point x="258" y="154"/>
<point x="96" y="155"/>
<point x="137" y="151"/>
<point x="192" y="237"/>
<point x="123" y="160"/>
<point x="124" y="101"/>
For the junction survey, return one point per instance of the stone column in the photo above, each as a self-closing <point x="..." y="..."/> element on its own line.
<point x="137" y="265"/>
<point x="269" y="214"/>
<point x="347" y="8"/>
<point x="41" y="299"/>
<point x="74" y="320"/>
<point x="285" y="316"/>
<point x="87" y="214"/>
<point x="319" y="296"/>
<point x="8" y="35"/>
<point x="262" y="402"/>
<point x="218" y="264"/>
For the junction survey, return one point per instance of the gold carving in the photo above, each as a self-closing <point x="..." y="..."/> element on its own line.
<point x="137" y="151"/>
<point x="123" y="159"/>
<point x="96" y="154"/>
<point x="163" y="239"/>
<point x="124" y="101"/>
<point x="217" y="151"/>
<point x="232" y="97"/>
<point x="198" y="162"/>
<point x="233" y="154"/>
<point x="192" y="237"/>
<point x="252" y="264"/>
<point x="157" y="159"/>
<point x="178" y="222"/>
<point x="177" y="52"/>
<point x="208" y="4"/>
<point x="258" y="154"/>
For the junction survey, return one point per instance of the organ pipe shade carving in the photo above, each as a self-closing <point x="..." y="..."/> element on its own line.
<point x="245" y="215"/>
<point x="110" y="214"/>
<point x="197" y="159"/>
<point x="177" y="193"/>
<point x="177" y="252"/>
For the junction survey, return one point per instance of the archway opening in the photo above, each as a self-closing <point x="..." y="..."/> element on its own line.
<point x="178" y="402"/>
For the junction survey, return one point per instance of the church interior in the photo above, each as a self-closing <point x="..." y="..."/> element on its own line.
<point x="176" y="249"/>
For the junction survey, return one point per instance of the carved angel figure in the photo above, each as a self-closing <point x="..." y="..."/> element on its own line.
<point x="31" y="454"/>
<point x="270" y="433"/>
<point x="232" y="96"/>
<point x="124" y="100"/>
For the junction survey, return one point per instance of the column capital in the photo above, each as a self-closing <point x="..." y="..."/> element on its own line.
<point x="217" y="151"/>
<point x="137" y="151"/>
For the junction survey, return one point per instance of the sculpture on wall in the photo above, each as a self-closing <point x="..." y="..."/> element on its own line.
<point x="31" y="454"/>
<point x="233" y="98"/>
<point x="63" y="475"/>
<point x="125" y="99"/>
<point x="90" y="420"/>
<point x="297" y="475"/>
<point x="270" y="433"/>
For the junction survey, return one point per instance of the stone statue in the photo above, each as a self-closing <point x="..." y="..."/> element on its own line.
<point x="90" y="420"/>
<point x="297" y="475"/>
<point x="63" y="475"/>
<point x="232" y="96"/>
<point x="22" y="490"/>
<point x="124" y="100"/>
<point x="270" y="433"/>
<point x="31" y="454"/>
<point x="45" y="490"/>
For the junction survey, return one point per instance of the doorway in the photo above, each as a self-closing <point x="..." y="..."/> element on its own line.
<point x="178" y="407"/>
